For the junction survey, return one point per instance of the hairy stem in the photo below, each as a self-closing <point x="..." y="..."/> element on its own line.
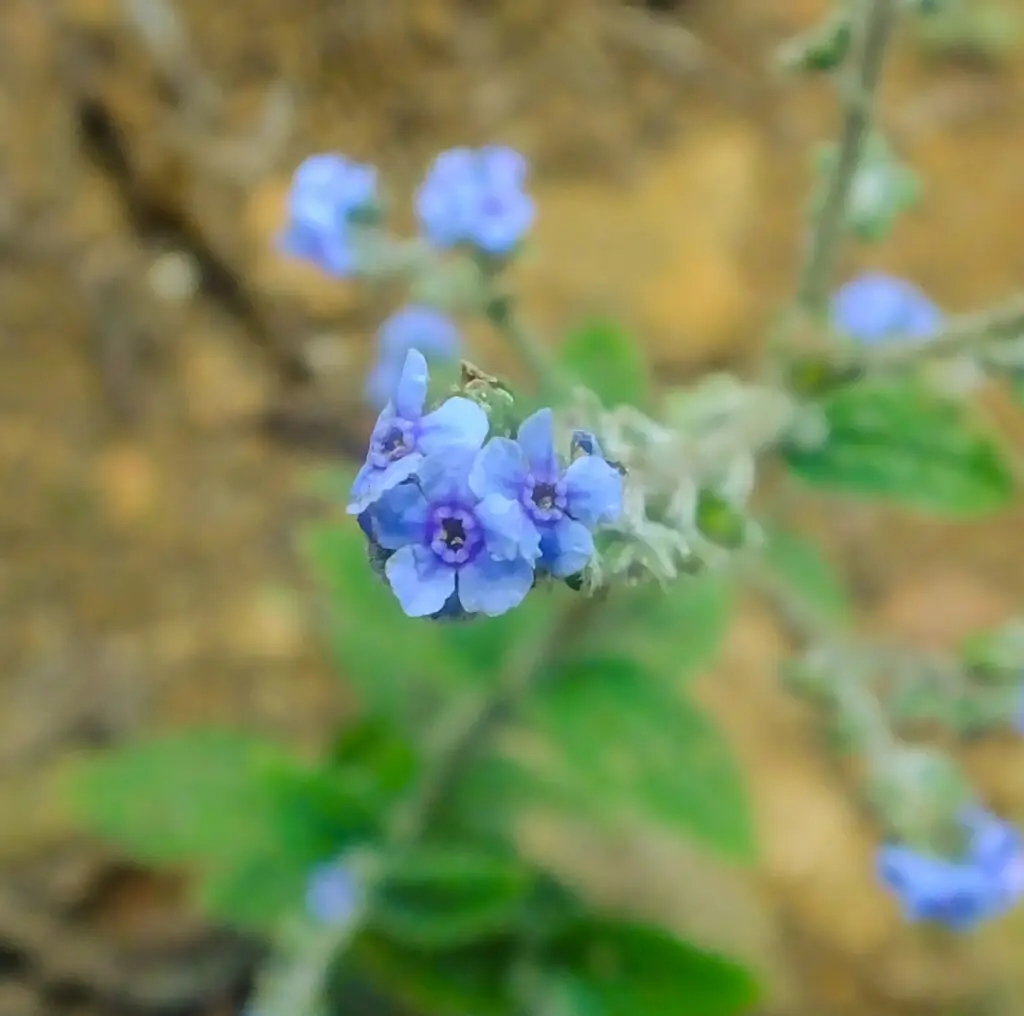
<point x="874" y="32"/>
<point x="295" y="986"/>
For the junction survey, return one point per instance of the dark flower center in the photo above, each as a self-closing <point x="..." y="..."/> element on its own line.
<point x="546" y="501"/>
<point x="393" y="443"/>
<point x="454" y="534"/>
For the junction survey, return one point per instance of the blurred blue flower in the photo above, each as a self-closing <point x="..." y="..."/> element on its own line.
<point x="447" y="540"/>
<point x="332" y="894"/>
<point x="875" y="307"/>
<point x="402" y="435"/>
<point x="413" y="327"/>
<point x="327" y="192"/>
<point x="561" y="505"/>
<point x="959" y="893"/>
<point x="476" y="197"/>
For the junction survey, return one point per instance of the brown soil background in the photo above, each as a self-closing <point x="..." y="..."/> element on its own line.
<point x="166" y="381"/>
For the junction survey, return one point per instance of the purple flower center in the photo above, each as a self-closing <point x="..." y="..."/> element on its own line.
<point x="395" y="443"/>
<point x="545" y="500"/>
<point x="454" y="534"/>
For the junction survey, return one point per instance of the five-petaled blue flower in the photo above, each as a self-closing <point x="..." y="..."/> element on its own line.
<point x="959" y="893"/>
<point x="562" y="505"/>
<point x="413" y="327"/>
<point x="874" y="307"/>
<point x="327" y="192"/>
<point x="450" y="539"/>
<point x="331" y="894"/>
<point x="476" y="197"/>
<point x="403" y="435"/>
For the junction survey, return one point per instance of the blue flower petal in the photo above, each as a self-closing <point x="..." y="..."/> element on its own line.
<point x="503" y="166"/>
<point x="500" y="468"/>
<point x="499" y="232"/>
<point x="332" y="895"/>
<point x="491" y="587"/>
<point x="399" y="516"/>
<point x="566" y="547"/>
<point x="584" y="443"/>
<point x="444" y="476"/>
<point x="874" y="307"/>
<point x="508" y="532"/>
<point x="456" y="421"/>
<point x="593" y="491"/>
<point x="537" y="439"/>
<point x="411" y="390"/>
<point x="419" y="580"/>
<point x="371" y="483"/>
<point x="418" y="327"/>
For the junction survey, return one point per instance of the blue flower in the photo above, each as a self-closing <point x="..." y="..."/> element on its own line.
<point x="449" y="540"/>
<point x="476" y="197"/>
<point x="332" y="894"/>
<point x="962" y="892"/>
<point x="413" y="327"/>
<point x="327" y="192"/>
<point x="876" y="307"/>
<point x="561" y="505"/>
<point x="402" y="435"/>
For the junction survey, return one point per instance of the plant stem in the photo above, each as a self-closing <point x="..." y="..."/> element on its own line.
<point x="875" y="30"/>
<point x="551" y="382"/>
<point x="297" y="987"/>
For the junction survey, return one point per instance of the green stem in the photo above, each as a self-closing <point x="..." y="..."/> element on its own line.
<point x="874" y="32"/>
<point x="296" y="985"/>
<point x="551" y="381"/>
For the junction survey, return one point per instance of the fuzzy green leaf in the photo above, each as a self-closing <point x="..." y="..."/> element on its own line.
<point x="902" y="443"/>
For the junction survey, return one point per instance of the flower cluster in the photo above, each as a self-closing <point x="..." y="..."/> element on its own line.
<point x="470" y="198"/>
<point x="962" y="892"/>
<point x="465" y="525"/>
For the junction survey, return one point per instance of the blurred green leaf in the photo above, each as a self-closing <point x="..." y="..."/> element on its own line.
<point x="241" y="810"/>
<point x="676" y="632"/>
<point x="444" y="896"/>
<point x="623" y="969"/>
<point x="470" y="980"/>
<point x="606" y="359"/>
<point x="619" y="744"/>
<point x="804" y="568"/>
<point x="902" y="443"/>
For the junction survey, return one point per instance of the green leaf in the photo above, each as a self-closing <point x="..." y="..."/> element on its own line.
<point x="389" y="658"/>
<point x="470" y="980"/>
<point x="445" y="896"/>
<point x="618" y="744"/>
<point x="904" y="444"/>
<point x="241" y="810"/>
<point x="623" y="969"/>
<point x="804" y="568"/>
<point x="676" y="632"/>
<point x="605" y="359"/>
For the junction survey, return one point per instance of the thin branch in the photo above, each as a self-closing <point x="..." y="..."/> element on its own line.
<point x="875" y="31"/>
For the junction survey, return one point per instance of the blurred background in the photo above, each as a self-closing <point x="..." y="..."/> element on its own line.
<point x="167" y="380"/>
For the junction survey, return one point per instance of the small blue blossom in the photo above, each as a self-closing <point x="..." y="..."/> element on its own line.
<point x="332" y="894"/>
<point x="562" y="505"/>
<point x="403" y="435"/>
<point x="874" y="307"/>
<point x="476" y="197"/>
<point x="327" y="192"/>
<point x="959" y="893"/>
<point x="414" y="327"/>
<point x="448" y="540"/>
